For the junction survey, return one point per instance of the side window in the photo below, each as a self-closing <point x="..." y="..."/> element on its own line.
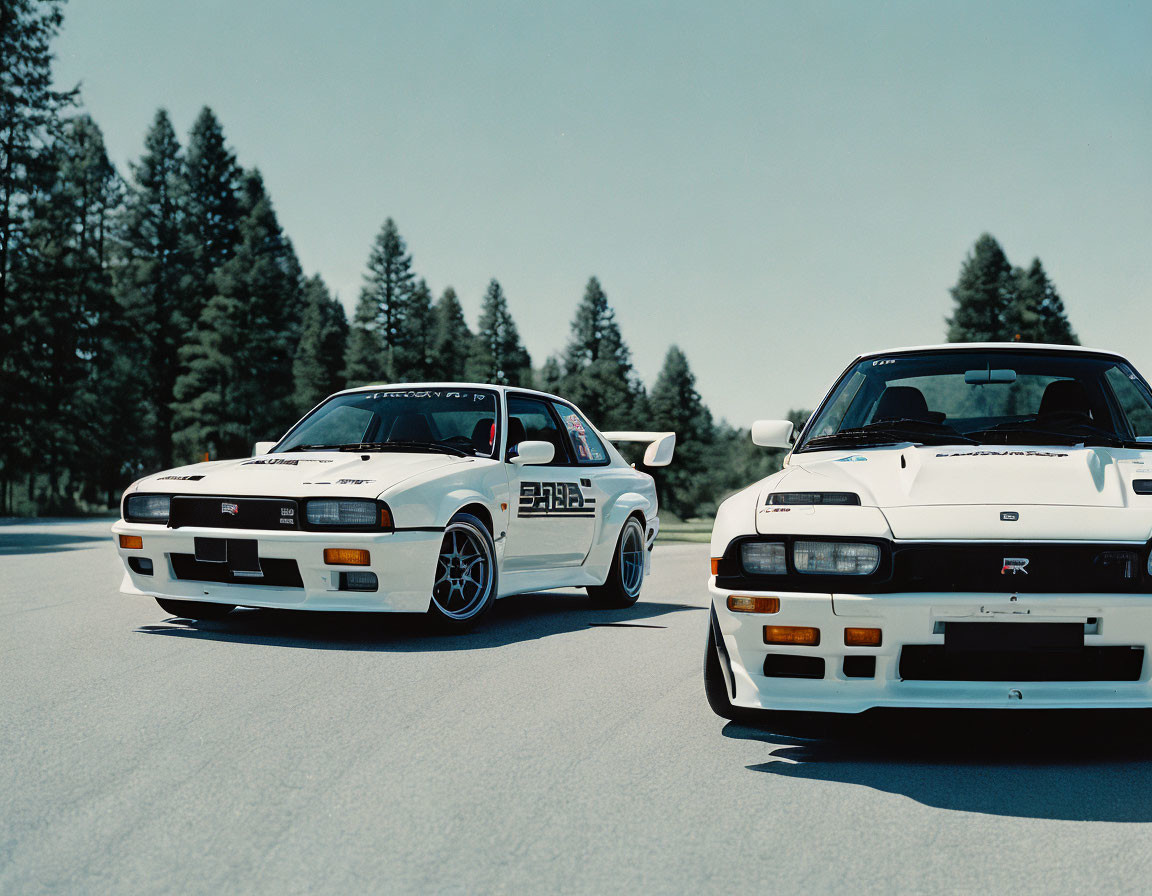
<point x="1132" y="402"/>
<point x="530" y="420"/>
<point x="586" y="447"/>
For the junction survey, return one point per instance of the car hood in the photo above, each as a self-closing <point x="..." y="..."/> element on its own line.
<point x="300" y="474"/>
<point x="973" y="491"/>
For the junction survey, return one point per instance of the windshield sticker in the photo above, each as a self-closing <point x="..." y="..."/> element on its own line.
<point x="554" y="499"/>
<point x="433" y="393"/>
<point x="1001" y="454"/>
<point x="287" y="462"/>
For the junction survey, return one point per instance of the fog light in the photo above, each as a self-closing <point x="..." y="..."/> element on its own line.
<point x="346" y="557"/>
<point x="358" y="581"/>
<point x="141" y="565"/>
<point x="862" y="637"/>
<point x="791" y="634"/>
<point x="742" y="603"/>
<point x="131" y="542"/>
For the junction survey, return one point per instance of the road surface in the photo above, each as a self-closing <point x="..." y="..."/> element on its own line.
<point x="558" y="749"/>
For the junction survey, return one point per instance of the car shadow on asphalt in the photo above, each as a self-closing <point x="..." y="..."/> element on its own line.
<point x="522" y="617"/>
<point x="1069" y="766"/>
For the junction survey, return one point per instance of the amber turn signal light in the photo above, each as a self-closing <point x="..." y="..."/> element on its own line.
<point x="385" y="518"/>
<point x="346" y="557"/>
<point x="742" y="603"/>
<point x="862" y="637"/>
<point x="715" y="566"/>
<point x="131" y="542"/>
<point x="800" y="635"/>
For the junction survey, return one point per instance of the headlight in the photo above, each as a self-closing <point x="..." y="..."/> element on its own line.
<point x="346" y="513"/>
<point x="763" y="558"/>
<point x="147" y="508"/>
<point x="836" y="558"/>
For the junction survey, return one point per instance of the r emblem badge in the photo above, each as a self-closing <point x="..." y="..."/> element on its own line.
<point x="230" y="509"/>
<point x="1014" y="565"/>
<point x="1009" y="516"/>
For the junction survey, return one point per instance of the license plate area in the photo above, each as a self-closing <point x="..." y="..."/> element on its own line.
<point x="997" y="637"/>
<point x="241" y="556"/>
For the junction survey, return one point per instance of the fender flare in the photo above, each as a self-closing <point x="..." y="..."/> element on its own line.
<point x="626" y="504"/>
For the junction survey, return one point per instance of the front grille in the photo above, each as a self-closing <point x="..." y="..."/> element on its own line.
<point x="279" y="573"/>
<point x="996" y="568"/>
<point x="223" y="512"/>
<point x="934" y="662"/>
<point x="1050" y="568"/>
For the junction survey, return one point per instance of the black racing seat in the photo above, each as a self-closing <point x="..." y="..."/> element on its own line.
<point x="410" y="428"/>
<point x="482" y="434"/>
<point x="904" y="403"/>
<point x="1067" y="397"/>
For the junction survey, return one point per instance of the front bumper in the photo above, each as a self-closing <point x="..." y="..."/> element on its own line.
<point x="1122" y="622"/>
<point x="404" y="563"/>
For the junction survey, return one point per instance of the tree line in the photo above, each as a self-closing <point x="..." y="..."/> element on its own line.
<point x="162" y="316"/>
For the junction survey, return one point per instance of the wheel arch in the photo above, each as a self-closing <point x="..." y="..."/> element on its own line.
<point x="481" y="512"/>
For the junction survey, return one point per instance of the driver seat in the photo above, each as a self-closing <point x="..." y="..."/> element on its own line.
<point x="1065" y="397"/>
<point x="904" y="403"/>
<point x="411" y="428"/>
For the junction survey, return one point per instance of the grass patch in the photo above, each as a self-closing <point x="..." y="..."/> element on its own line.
<point x="696" y="531"/>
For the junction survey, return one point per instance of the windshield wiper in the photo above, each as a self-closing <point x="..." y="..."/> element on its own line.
<point x="1030" y="433"/>
<point x="439" y="447"/>
<point x="310" y="448"/>
<point x="892" y="432"/>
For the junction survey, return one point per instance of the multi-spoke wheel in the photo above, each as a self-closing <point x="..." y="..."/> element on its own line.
<point x="465" y="585"/>
<point x="622" y="587"/>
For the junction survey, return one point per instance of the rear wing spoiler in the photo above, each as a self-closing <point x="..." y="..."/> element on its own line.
<point x="660" y="445"/>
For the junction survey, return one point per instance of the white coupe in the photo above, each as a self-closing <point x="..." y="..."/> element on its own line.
<point x="434" y="498"/>
<point x="956" y="526"/>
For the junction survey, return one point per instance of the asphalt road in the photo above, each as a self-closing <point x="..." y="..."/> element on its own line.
<point x="558" y="749"/>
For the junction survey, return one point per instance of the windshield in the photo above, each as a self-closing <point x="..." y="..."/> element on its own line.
<point x="459" y="421"/>
<point x="985" y="397"/>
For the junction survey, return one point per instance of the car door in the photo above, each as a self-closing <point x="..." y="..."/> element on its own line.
<point x="554" y="513"/>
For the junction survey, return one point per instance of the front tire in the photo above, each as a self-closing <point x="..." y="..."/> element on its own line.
<point x="626" y="577"/>
<point x="466" y="575"/>
<point x="194" y="609"/>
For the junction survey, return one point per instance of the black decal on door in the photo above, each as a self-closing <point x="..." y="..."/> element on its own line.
<point x="555" y="499"/>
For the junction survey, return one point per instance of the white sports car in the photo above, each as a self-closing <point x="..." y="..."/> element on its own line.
<point x="433" y="498"/>
<point x="956" y="526"/>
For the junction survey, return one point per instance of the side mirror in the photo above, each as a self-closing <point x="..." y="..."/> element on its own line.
<point x="262" y="448"/>
<point x="772" y="433"/>
<point x="531" y="453"/>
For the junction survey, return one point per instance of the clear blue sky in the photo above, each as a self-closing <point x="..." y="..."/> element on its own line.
<point x="773" y="186"/>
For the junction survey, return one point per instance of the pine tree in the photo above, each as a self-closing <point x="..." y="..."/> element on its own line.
<point x="451" y="339"/>
<point x="318" y="369"/>
<point x="984" y="295"/>
<point x="212" y="209"/>
<point x="551" y="377"/>
<point x="1038" y="295"/>
<point x="153" y="269"/>
<point x="29" y="118"/>
<point x="598" y="374"/>
<point x="497" y="355"/>
<point x="75" y="322"/>
<point x="414" y="347"/>
<point x="676" y="406"/>
<point x="235" y="387"/>
<point x="377" y="327"/>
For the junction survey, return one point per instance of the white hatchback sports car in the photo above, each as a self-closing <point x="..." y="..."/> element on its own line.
<point x="431" y="498"/>
<point x="956" y="526"/>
